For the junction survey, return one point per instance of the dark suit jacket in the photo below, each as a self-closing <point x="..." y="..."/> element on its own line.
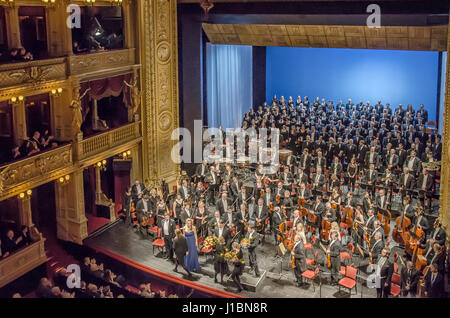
<point x="428" y="185"/>
<point x="436" y="289"/>
<point x="172" y="228"/>
<point x="226" y="235"/>
<point x="184" y="216"/>
<point x="198" y="170"/>
<point x="409" y="181"/>
<point x="180" y="247"/>
<point x="184" y="194"/>
<point x="300" y="257"/>
<point x="264" y="213"/>
<point x="220" y="207"/>
<point x="413" y="277"/>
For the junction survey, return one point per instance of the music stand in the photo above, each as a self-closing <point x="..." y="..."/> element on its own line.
<point x="281" y="251"/>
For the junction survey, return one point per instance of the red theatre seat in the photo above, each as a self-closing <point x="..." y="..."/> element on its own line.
<point x="396" y="282"/>
<point x="349" y="281"/>
<point x="311" y="275"/>
<point x="159" y="242"/>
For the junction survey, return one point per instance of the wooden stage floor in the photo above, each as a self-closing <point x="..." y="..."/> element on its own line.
<point x="131" y="244"/>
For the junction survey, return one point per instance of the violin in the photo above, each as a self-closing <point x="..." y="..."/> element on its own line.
<point x="278" y="199"/>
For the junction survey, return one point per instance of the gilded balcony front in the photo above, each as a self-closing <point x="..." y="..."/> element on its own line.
<point x="100" y="61"/>
<point x="27" y="173"/>
<point x="109" y="142"/>
<point x="22" y="261"/>
<point x="17" y="74"/>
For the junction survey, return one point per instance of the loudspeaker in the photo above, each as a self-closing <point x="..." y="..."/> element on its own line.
<point x="121" y="165"/>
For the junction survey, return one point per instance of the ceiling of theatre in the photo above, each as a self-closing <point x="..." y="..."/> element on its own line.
<point x="429" y="38"/>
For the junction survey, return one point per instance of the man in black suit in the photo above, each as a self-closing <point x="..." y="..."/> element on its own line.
<point x="254" y="240"/>
<point x="407" y="209"/>
<point x="305" y="161"/>
<point x="143" y="208"/>
<point x="376" y="247"/>
<point x="231" y="218"/>
<point x="202" y="170"/>
<point x="44" y="289"/>
<point x="137" y="190"/>
<point x="185" y="190"/>
<point x="434" y="283"/>
<point x="413" y="163"/>
<point x="260" y="214"/>
<point x="300" y="177"/>
<point x="167" y="227"/>
<point x="384" y="271"/>
<point x="223" y="203"/>
<point x="213" y="180"/>
<point x="410" y="279"/>
<point x="277" y="219"/>
<point x="298" y="253"/>
<point x="187" y="213"/>
<point x="180" y="248"/>
<point x="222" y="230"/>
<point x="406" y="181"/>
<point x="236" y="187"/>
<point x="334" y="249"/>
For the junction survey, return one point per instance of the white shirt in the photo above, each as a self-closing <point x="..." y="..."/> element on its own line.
<point x="166" y="227"/>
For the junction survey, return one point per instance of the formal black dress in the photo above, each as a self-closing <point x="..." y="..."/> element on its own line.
<point x="237" y="272"/>
<point x="220" y="264"/>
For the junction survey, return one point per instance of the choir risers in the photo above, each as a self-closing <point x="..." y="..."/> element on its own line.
<point x="22" y="261"/>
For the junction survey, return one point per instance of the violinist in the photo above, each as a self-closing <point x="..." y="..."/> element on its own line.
<point x="299" y="256"/>
<point x="235" y="187"/>
<point x="223" y="231"/>
<point x="384" y="271"/>
<point x="387" y="179"/>
<point x="437" y="235"/>
<point x="377" y="228"/>
<point x="126" y="205"/>
<point x="286" y="177"/>
<point x="381" y="200"/>
<point x="304" y="193"/>
<point x="267" y="197"/>
<point x="185" y="190"/>
<point x="335" y="198"/>
<point x="186" y="213"/>
<point x="277" y="219"/>
<point x="279" y="191"/>
<point x="329" y="214"/>
<point x="243" y="197"/>
<point x="231" y="219"/>
<point x="243" y="222"/>
<point x="377" y="247"/>
<point x="336" y="167"/>
<point x="367" y="202"/>
<point x="214" y="222"/>
<point x="407" y="208"/>
<point x="259" y="216"/>
<point x="223" y="203"/>
<point x="287" y="203"/>
<point x="318" y="180"/>
<point x="371" y="178"/>
<point x="201" y="171"/>
<point x="419" y="221"/>
<point x="305" y="160"/>
<point x="258" y="190"/>
<point x="143" y="208"/>
<point x="296" y="219"/>
<point x="300" y="177"/>
<point x="334" y="250"/>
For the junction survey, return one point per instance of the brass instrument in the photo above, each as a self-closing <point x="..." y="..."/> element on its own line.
<point x="432" y="166"/>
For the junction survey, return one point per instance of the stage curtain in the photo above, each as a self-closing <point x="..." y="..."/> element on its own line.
<point x="229" y="84"/>
<point x="110" y="86"/>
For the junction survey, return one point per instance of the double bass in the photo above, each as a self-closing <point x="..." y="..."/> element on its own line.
<point x="347" y="216"/>
<point x="385" y="219"/>
<point x="399" y="234"/>
<point x="311" y="222"/>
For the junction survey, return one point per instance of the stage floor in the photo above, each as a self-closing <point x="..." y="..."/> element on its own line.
<point x="131" y="244"/>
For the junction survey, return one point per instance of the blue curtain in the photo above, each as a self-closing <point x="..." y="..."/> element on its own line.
<point x="228" y="84"/>
<point x="442" y="88"/>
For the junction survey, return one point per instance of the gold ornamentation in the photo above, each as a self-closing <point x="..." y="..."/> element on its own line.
<point x="32" y="73"/>
<point x="165" y="121"/>
<point x="163" y="52"/>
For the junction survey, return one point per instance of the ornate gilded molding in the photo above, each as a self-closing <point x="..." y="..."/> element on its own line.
<point x="41" y="166"/>
<point x="444" y="201"/>
<point x="34" y="72"/>
<point x="87" y="63"/>
<point x="159" y="59"/>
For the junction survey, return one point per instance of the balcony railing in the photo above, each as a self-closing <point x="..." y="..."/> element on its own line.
<point x="111" y="139"/>
<point x="91" y="62"/>
<point x="22" y="261"/>
<point x="13" y="74"/>
<point x="43" y="166"/>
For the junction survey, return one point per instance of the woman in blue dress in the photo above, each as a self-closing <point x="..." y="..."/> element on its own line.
<point x="191" y="259"/>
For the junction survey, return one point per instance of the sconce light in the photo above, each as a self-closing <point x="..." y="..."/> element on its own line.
<point x="101" y="165"/>
<point x="57" y="91"/>
<point x="126" y="154"/>
<point x="7" y="2"/>
<point x="64" y="180"/>
<point x="25" y="195"/>
<point x="16" y="100"/>
<point x="116" y="2"/>
<point x="91" y="2"/>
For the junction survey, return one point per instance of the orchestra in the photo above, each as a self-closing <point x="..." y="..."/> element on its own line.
<point x="348" y="175"/>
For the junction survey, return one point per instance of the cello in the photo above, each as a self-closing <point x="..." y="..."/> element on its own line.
<point x="347" y="217"/>
<point x="399" y="233"/>
<point x="325" y="230"/>
<point x="414" y="236"/>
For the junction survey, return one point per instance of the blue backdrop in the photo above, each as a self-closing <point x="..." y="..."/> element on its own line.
<point x="395" y="77"/>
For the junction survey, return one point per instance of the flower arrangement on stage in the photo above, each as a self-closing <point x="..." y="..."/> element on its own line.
<point x="232" y="257"/>
<point x="210" y="242"/>
<point x="245" y="243"/>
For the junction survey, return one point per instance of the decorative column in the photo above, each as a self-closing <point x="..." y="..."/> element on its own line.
<point x="59" y="36"/>
<point x="101" y="198"/>
<point x="128" y="26"/>
<point x="135" y="172"/>
<point x="19" y="121"/>
<point x="444" y="201"/>
<point x="25" y="217"/>
<point x="70" y="213"/>
<point x="159" y="78"/>
<point x="13" y="29"/>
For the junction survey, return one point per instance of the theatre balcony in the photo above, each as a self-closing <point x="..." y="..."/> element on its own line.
<point x="22" y="261"/>
<point x="18" y="176"/>
<point x="108" y="143"/>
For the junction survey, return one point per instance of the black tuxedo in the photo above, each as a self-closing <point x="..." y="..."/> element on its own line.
<point x="254" y="242"/>
<point x="226" y="235"/>
<point x="300" y="259"/>
<point x="184" y="215"/>
<point x="335" y="259"/>
<point x="436" y="288"/>
<point x="185" y="193"/>
<point x="180" y="248"/>
<point x="386" y="271"/>
<point x="411" y="278"/>
<point x="168" y="237"/>
<point x="221" y="207"/>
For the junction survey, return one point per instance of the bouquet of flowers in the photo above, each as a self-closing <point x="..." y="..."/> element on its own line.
<point x="210" y="242"/>
<point x="245" y="243"/>
<point x="232" y="257"/>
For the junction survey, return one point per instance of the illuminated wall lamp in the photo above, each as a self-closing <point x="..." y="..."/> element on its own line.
<point x="91" y="2"/>
<point x="64" y="180"/>
<point x="7" y="2"/>
<point x="101" y="165"/>
<point x="16" y="100"/>
<point x="126" y="154"/>
<point x="57" y="91"/>
<point x="25" y="195"/>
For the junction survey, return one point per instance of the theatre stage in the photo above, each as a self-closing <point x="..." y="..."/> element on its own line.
<point x="123" y="240"/>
